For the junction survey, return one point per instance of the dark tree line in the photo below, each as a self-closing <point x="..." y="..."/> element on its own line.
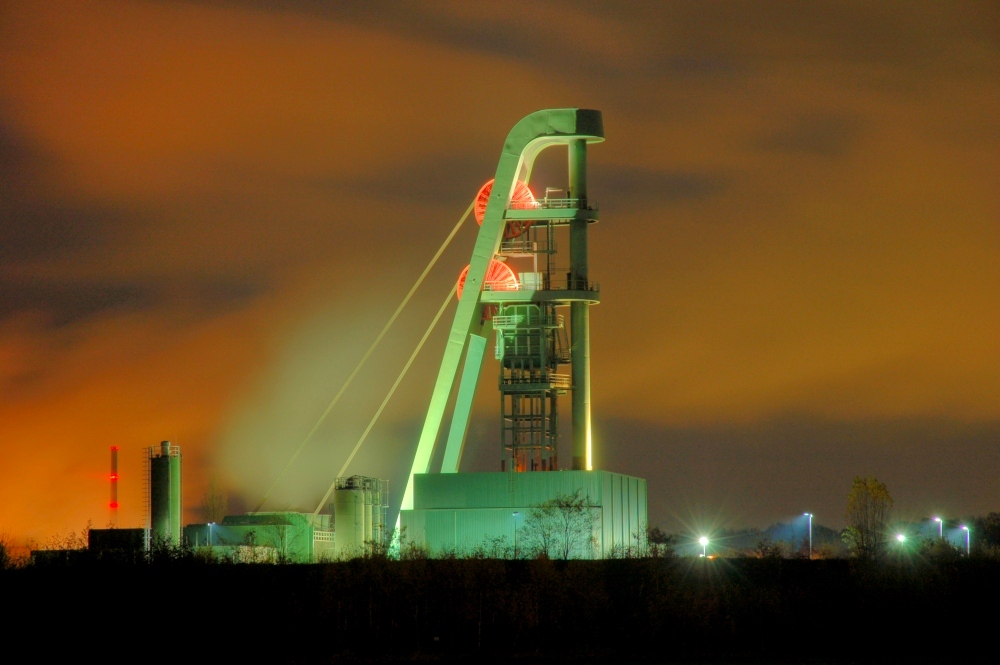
<point x="379" y="610"/>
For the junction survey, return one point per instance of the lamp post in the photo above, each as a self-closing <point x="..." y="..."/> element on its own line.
<point x="703" y="541"/>
<point x="515" y="514"/>
<point x="968" y="551"/>
<point x="210" y="525"/>
<point x="810" y="516"/>
<point x="940" y="527"/>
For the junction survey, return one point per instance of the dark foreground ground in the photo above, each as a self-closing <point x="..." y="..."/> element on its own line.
<point x="638" y="610"/>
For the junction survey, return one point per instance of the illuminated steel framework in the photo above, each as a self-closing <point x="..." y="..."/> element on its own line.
<point x="532" y="338"/>
<point x="531" y="343"/>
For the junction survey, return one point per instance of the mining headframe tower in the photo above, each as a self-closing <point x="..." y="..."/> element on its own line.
<point x="519" y="287"/>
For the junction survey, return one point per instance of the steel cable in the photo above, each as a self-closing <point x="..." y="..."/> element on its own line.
<point x="368" y="353"/>
<point x="406" y="367"/>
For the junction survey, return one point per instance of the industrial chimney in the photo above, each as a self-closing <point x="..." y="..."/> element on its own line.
<point x="164" y="483"/>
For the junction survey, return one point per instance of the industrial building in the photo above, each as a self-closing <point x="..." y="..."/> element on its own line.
<point x="528" y="284"/>
<point x="272" y="537"/>
<point x="518" y="286"/>
<point x="359" y="506"/>
<point x="466" y="513"/>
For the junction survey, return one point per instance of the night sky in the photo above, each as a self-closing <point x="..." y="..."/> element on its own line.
<point x="209" y="209"/>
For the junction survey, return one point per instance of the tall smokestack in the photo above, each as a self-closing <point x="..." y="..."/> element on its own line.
<point x="113" y="479"/>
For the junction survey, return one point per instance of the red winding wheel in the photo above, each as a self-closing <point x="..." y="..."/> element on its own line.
<point x="499" y="277"/>
<point x="521" y="199"/>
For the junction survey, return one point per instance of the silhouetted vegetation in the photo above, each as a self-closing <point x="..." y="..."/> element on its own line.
<point x="869" y="506"/>
<point x="656" y="609"/>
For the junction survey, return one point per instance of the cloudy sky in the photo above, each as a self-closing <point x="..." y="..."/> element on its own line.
<point x="209" y="209"/>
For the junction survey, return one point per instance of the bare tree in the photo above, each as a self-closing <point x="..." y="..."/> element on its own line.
<point x="215" y="502"/>
<point x="869" y="505"/>
<point x="7" y="558"/>
<point x="71" y="540"/>
<point x="765" y="548"/>
<point x="561" y="527"/>
<point x="661" y="543"/>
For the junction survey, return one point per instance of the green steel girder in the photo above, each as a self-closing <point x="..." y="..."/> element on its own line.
<point x="523" y="295"/>
<point x="554" y="214"/>
<point x="531" y="135"/>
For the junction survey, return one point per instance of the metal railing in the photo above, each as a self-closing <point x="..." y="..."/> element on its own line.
<point x="514" y="321"/>
<point x="549" y="284"/>
<point x="553" y="380"/>
<point x="501" y="286"/>
<point x="543" y="204"/>
<point x="570" y="284"/>
<point x="507" y="321"/>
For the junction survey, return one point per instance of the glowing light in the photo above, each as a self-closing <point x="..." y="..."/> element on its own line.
<point x="900" y="537"/>
<point x="810" y="516"/>
<point x="520" y="199"/>
<point x="113" y="476"/>
<point x="703" y="541"/>
<point x="113" y="505"/>
<point x="499" y="277"/>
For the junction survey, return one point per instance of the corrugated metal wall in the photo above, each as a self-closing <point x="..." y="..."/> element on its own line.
<point x="465" y="512"/>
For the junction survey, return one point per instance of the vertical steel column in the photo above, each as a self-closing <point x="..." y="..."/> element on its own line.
<point x="580" y="311"/>
<point x="474" y="353"/>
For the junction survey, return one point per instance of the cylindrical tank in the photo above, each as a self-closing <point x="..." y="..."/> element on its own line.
<point x="165" y="494"/>
<point x="378" y="518"/>
<point x="349" y="521"/>
<point x="359" y="514"/>
<point x="368" y="517"/>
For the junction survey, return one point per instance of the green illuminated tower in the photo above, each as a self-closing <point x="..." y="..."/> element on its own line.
<point x="532" y="340"/>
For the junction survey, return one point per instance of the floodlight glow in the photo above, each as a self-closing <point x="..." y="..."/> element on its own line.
<point x="703" y="541"/>
<point x="900" y="537"/>
<point x="810" y="516"/>
<point x="967" y="532"/>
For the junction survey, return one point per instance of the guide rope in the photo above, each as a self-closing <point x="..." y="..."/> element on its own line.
<point x="447" y="301"/>
<point x="364" y="359"/>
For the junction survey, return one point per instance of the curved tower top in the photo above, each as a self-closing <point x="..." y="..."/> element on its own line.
<point x="574" y="128"/>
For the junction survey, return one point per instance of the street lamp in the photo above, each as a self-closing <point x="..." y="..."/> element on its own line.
<point x="810" y="516"/>
<point x="968" y="551"/>
<point x="901" y="538"/>
<point x="703" y="541"/>
<point x="210" y="525"/>
<point x="515" y="514"/>
<point x="940" y="527"/>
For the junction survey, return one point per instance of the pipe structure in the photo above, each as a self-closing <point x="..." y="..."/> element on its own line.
<point x="580" y="311"/>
